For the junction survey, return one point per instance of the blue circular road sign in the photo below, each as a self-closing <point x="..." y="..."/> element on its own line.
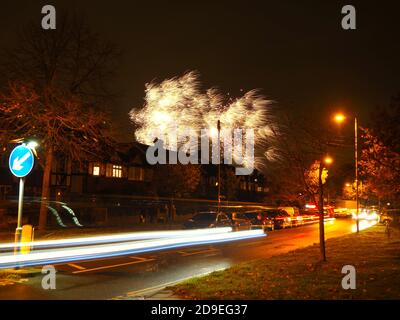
<point x="21" y="161"/>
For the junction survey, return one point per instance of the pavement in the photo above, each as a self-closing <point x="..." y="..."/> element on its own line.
<point x="146" y="276"/>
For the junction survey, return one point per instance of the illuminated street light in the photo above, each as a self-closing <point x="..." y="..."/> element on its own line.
<point x="339" y="118"/>
<point x="348" y="185"/>
<point x="328" y="160"/>
<point x="32" y="144"/>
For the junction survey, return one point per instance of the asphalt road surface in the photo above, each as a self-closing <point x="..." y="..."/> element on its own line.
<point x="136" y="276"/>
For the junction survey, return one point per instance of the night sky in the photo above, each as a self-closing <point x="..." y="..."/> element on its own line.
<point x="295" y="51"/>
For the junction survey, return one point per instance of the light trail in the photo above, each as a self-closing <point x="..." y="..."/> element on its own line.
<point x="116" y="238"/>
<point x="363" y="224"/>
<point x="54" y="256"/>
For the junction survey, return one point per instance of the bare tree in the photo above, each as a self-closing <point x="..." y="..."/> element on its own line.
<point x="301" y="147"/>
<point x="298" y="145"/>
<point x="56" y="92"/>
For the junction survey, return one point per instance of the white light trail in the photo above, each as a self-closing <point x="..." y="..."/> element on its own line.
<point x="116" y="238"/>
<point x="363" y="224"/>
<point x="110" y="250"/>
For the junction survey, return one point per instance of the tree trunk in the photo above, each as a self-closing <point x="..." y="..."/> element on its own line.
<point x="321" y="213"/>
<point x="45" y="189"/>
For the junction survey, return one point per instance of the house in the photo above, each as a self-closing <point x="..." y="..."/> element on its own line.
<point x="125" y="171"/>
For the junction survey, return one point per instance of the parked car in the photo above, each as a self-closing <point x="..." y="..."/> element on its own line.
<point x="389" y="216"/>
<point x="300" y="219"/>
<point x="279" y="219"/>
<point x="269" y="219"/>
<point x="258" y="221"/>
<point x="312" y="210"/>
<point x="295" y="215"/>
<point x="240" y="221"/>
<point x="292" y="211"/>
<point x="342" y="212"/>
<point x="329" y="211"/>
<point x="208" y="219"/>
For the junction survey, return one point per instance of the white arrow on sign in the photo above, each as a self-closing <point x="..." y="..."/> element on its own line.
<point x="17" y="163"/>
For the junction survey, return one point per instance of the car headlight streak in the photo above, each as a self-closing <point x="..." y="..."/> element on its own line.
<point x="62" y="255"/>
<point x="123" y="237"/>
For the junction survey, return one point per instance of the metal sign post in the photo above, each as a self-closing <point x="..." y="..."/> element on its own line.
<point x="18" y="231"/>
<point x="21" y="163"/>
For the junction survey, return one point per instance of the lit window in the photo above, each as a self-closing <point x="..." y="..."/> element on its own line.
<point x="117" y="171"/>
<point x="96" y="170"/>
<point x="114" y="171"/>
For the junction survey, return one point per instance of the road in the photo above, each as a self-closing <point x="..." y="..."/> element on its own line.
<point x="136" y="276"/>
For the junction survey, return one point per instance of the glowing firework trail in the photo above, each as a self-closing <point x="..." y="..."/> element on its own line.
<point x="179" y="104"/>
<point x="102" y="251"/>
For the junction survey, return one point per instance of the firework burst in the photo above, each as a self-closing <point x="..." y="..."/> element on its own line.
<point x="179" y="104"/>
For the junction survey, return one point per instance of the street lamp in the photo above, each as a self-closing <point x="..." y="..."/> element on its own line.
<point x="32" y="144"/>
<point x="324" y="160"/>
<point x="328" y="160"/>
<point x="340" y="118"/>
<point x="219" y="165"/>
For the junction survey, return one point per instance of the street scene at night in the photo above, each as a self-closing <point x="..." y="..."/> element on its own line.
<point x="218" y="152"/>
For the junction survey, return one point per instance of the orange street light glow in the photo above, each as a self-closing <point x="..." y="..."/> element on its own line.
<point x="340" y="117"/>
<point x="328" y="160"/>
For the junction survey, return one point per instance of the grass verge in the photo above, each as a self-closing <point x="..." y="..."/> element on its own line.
<point x="7" y="275"/>
<point x="299" y="274"/>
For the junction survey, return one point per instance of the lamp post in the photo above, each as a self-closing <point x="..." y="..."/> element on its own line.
<point x="327" y="160"/>
<point x="219" y="164"/>
<point x="339" y="118"/>
<point x="356" y="173"/>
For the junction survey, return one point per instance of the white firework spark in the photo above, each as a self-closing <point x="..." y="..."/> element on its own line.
<point x="179" y="104"/>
